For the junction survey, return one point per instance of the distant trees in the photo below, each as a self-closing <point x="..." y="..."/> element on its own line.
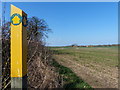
<point x="74" y="45"/>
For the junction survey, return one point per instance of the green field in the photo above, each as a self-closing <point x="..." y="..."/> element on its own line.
<point x="95" y="65"/>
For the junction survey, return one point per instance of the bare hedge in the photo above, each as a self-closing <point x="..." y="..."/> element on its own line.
<point x="40" y="73"/>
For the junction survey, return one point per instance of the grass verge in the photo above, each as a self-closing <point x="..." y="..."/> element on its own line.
<point x="70" y="79"/>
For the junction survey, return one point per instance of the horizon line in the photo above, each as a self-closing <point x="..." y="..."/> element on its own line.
<point x="81" y="45"/>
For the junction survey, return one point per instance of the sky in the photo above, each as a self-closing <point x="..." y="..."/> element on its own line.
<point x="82" y="23"/>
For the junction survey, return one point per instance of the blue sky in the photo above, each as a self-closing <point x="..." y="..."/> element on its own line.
<point x="81" y="23"/>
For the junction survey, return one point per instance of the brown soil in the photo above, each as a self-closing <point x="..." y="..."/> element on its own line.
<point x="96" y="75"/>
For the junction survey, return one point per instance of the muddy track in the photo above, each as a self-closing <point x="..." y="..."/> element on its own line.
<point x="107" y="78"/>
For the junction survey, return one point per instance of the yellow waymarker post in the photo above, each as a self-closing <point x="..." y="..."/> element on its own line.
<point x="18" y="48"/>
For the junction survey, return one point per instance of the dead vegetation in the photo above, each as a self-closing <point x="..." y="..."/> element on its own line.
<point x="40" y="72"/>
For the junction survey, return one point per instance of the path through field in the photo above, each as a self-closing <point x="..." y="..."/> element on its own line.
<point x="97" y="66"/>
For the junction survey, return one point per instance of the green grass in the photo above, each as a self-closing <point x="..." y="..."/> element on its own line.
<point x="70" y="79"/>
<point x="107" y="56"/>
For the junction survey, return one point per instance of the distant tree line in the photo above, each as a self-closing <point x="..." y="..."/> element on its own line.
<point x="75" y="45"/>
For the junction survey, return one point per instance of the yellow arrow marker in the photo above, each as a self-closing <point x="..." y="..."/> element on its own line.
<point x="16" y="20"/>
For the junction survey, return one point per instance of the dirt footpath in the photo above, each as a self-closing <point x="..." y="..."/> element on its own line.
<point x="99" y="77"/>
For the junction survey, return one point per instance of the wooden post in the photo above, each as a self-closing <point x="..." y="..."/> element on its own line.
<point x="18" y="48"/>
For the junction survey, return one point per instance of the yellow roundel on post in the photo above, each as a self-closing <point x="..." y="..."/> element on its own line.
<point x="16" y="19"/>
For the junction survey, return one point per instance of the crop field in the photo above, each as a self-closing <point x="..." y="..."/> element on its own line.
<point x="97" y="66"/>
